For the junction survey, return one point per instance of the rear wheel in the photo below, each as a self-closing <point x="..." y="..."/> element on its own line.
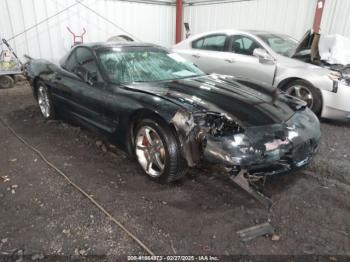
<point x="306" y="92"/>
<point x="158" y="151"/>
<point x="6" y="82"/>
<point x="44" y="101"/>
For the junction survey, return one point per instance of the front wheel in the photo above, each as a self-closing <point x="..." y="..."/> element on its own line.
<point x="158" y="152"/>
<point x="45" y="101"/>
<point x="306" y="92"/>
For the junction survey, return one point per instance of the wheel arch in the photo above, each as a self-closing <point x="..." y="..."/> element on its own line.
<point x="143" y="113"/>
<point x="286" y="81"/>
<point x="36" y="80"/>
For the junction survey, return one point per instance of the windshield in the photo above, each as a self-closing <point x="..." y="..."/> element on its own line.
<point x="140" y="64"/>
<point x="281" y="44"/>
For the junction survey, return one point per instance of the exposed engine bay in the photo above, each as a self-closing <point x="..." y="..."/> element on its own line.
<point x="328" y="51"/>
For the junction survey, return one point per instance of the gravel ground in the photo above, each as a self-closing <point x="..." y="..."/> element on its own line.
<point x="41" y="214"/>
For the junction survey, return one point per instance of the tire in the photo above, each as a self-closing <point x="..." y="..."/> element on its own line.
<point x="44" y="101"/>
<point x="6" y="82"/>
<point x="165" y="149"/>
<point x="306" y="90"/>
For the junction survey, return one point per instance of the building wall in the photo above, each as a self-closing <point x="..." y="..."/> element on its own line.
<point x="155" y="22"/>
<point x="336" y="17"/>
<point x="147" y="22"/>
<point x="292" y="17"/>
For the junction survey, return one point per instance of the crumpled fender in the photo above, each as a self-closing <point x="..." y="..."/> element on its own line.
<point x="224" y="142"/>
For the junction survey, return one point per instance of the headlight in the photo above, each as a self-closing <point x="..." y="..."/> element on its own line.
<point x="333" y="75"/>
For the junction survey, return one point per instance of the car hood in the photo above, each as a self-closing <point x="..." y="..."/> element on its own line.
<point x="247" y="103"/>
<point x="294" y="63"/>
<point x="304" y="43"/>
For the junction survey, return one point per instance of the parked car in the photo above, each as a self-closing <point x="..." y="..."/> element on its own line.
<point x="268" y="57"/>
<point x="170" y="115"/>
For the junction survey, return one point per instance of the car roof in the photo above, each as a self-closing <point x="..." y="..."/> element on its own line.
<point x="224" y="31"/>
<point x="98" y="45"/>
<point x="261" y="32"/>
<point x="235" y="31"/>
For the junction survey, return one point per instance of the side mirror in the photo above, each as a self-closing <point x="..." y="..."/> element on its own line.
<point x="187" y="28"/>
<point x="85" y="75"/>
<point x="264" y="57"/>
<point x="91" y="78"/>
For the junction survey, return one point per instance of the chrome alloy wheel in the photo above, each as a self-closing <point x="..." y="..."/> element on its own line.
<point x="302" y="93"/>
<point x="44" y="102"/>
<point x="150" y="151"/>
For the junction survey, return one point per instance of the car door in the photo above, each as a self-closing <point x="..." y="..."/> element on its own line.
<point x="62" y="79"/>
<point x="241" y="62"/>
<point x="208" y="53"/>
<point x="84" y="90"/>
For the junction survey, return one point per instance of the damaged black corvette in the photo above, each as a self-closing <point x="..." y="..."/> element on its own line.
<point x="170" y="115"/>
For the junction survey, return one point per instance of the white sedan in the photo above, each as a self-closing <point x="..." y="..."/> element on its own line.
<point x="266" y="57"/>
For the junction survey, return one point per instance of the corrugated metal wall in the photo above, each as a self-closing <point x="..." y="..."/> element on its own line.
<point x="156" y="22"/>
<point x="292" y="17"/>
<point x="148" y="22"/>
<point x="336" y="17"/>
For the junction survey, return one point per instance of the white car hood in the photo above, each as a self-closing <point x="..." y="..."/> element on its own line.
<point x="284" y="61"/>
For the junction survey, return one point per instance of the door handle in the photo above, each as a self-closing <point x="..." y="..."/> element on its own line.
<point x="196" y="56"/>
<point x="230" y="60"/>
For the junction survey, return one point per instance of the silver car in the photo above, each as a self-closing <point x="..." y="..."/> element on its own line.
<point x="265" y="57"/>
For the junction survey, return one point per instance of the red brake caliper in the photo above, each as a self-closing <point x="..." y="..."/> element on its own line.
<point x="145" y="143"/>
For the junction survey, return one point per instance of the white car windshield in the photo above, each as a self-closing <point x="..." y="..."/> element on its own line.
<point x="145" y="65"/>
<point x="281" y="44"/>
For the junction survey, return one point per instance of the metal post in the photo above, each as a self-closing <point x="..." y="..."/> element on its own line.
<point x="318" y="15"/>
<point x="179" y="9"/>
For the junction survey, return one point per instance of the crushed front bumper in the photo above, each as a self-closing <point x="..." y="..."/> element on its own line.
<point x="268" y="150"/>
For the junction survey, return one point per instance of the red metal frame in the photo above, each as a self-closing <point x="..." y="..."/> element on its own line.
<point x="75" y="37"/>
<point x="318" y="15"/>
<point x="179" y="9"/>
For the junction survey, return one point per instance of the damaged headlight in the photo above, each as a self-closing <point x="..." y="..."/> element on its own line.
<point x="218" y="124"/>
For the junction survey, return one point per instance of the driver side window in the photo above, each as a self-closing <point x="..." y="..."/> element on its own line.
<point x="243" y="45"/>
<point x="82" y="63"/>
<point x="71" y="62"/>
<point x="86" y="60"/>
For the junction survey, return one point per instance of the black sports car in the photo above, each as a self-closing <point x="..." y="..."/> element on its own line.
<point x="170" y="115"/>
